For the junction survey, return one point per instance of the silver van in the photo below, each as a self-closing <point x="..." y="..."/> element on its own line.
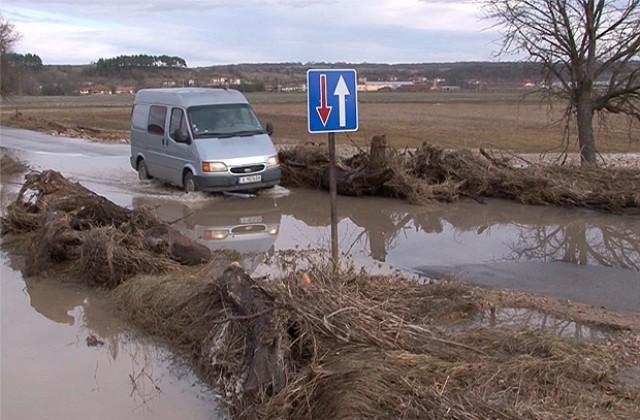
<point x="201" y="139"/>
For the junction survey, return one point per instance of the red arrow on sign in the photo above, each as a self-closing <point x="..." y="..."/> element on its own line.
<point x="323" y="110"/>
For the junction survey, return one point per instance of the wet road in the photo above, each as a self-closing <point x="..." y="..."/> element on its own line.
<point x="573" y="254"/>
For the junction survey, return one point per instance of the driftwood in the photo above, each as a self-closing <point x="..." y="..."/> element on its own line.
<point x="369" y="177"/>
<point x="180" y="248"/>
<point x="431" y="173"/>
<point x="266" y="346"/>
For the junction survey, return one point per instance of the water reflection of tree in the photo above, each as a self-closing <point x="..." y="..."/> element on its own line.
<point x="581" y="243"/>
<point x="527" y="318"/>
<point x="383" y="231"/>
<point x="543" y="234"/>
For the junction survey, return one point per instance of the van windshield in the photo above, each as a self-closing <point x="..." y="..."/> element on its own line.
<point x="226" y="120"/>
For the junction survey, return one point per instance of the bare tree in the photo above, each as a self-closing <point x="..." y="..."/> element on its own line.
<point x="587" y="49"/>
<point x="8" y="38"/>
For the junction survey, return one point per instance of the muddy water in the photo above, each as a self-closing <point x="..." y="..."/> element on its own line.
<point x="380" y="232"/>
<point x="51" y="368"/>
<point x="572" y="254"/>
<point x="67" y="355"/>
<point x="576" y="255"/>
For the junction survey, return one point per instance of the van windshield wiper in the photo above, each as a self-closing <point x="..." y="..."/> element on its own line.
<point x="210" y="134"/>
<point x="246" y="133"/>
<point x="227" y="134"/>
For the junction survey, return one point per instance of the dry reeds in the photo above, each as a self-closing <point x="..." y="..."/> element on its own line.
<point x="382" y="347"/>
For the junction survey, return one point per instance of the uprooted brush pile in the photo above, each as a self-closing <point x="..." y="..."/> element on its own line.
<point x="309" y="346"/>
<point x="432" y="173"/>
<point x="57" y="221"/>
<point x="372" y="347"/>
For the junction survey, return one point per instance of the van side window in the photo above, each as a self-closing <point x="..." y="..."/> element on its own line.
<point x="157" y="116"/>
<point x="178" y="125"/>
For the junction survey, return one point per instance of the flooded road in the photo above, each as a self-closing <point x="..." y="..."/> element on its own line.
<point x="573" y="254"/>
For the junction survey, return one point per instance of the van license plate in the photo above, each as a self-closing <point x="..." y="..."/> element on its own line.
<point x="250" y="220"/>
<point x="249" y="179"/>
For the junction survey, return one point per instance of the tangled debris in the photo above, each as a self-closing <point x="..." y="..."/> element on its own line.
<point x="308" y="346"/>
<point x="374" y="347"/>
<point x="60" y="221"/>
<point x="432" y="173"/>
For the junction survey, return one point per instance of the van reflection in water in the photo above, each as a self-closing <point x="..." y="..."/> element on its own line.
<point x="248" y="226"/>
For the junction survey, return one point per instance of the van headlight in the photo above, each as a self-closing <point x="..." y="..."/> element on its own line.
<point x="214" y="167"/>
<point x="214" y="235"/>
<point x="273" y="160"/>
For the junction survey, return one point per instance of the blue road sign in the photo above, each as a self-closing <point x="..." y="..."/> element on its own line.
<point x="332" y="100"/>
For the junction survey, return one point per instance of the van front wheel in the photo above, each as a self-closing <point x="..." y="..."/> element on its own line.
<point x="188" y="183"/>
<point x="143" y="172"/>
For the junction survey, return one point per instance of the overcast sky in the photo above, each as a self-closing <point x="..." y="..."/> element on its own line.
<point x="210" y="32"/>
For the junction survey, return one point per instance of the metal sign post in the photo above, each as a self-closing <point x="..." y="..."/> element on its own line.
<point x="332" y="106"/>
<point x="333" y="202"/>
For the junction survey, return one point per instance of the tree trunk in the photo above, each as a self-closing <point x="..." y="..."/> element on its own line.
<point x="365" y="180"/>
<point x="586" y="140"/>
<point x="379" y="152"/>
<point x="266" y="344"/>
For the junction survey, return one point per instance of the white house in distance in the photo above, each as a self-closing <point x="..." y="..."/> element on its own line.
<point x="224" y="81"/>
<point x="366" y="86"/>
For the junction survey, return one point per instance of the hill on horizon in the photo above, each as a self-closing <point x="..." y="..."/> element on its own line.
<point x="76" y="79"/>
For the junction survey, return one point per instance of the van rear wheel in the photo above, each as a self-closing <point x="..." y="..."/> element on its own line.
<point x="188" y="183"/>
<point x="143" y="172"/>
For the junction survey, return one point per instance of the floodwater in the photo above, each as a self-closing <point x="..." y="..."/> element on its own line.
<point x="573" y="254"/>
<point x="51" y="368"/>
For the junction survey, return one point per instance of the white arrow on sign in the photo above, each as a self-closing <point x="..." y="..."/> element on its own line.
<point x="341" y="92"/>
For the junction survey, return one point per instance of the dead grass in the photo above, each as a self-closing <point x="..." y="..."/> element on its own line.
<point x="451" y="121"/>
<point x="383" y="347"/>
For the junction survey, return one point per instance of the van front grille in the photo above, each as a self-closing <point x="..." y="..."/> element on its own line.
<point x="239" y="230"/>
<point x="247" y="169"/>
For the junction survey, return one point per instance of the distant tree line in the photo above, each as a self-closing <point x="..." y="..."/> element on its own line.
<point x="25" y="61"/>
<point x="115" y="65"/>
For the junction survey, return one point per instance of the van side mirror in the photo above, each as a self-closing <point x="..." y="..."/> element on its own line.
<point x="181" y="136"/>
<point x="269" y="128"/>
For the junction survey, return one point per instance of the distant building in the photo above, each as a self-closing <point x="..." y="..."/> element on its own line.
<point x="221" y="81"/>
<point x="90" y="88"/>
<point x="99" y="89"/>
<point x="124" y="90"/>
<point x="293" y="87"/>
<point x="387" y="85"/>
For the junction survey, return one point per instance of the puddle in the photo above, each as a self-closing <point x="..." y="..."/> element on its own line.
<point x="541" y="321"/>
<point x="377" y="231"/>
<point x="65" y="355"/>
